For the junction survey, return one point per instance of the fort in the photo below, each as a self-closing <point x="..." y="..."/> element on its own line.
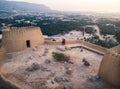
<point x="18" y="39"/>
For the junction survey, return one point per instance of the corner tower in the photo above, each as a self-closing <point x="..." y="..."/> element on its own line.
<point x="17" y="39"/>
<point x="110" y="66"/>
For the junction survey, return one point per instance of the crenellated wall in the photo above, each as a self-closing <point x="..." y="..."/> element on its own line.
<point x="14" y="39"/>
<point x="110" y="66"/>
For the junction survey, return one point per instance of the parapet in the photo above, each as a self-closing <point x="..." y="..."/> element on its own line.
<point x="12" y="29"/>
<point x="116" y="49"/>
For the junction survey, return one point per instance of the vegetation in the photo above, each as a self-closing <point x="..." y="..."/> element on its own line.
<point x="57" y="27"/>
<point x="107" y="29"/>
<point x="0" y="32"/>
<point x="60" y="57"/>
<point x="90" y="30"/>
<point x="103" y="43"/>
<point x="53" y="25"/>
<point x="108" y="26"/>
<point x="106" y="44"/>
<point x="117" y="35"/>
<point x="49" y="26"/>
<point x="96" y="37"/>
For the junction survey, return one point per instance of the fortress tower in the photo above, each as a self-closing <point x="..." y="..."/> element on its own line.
<point x="17" y="39"/>
<point x="110" y="66"/>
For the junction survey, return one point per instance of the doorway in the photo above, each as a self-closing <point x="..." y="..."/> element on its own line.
<point x="28" y="43"/>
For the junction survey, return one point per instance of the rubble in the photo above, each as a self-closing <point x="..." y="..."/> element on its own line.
<point x="71" y="62"/>
<point x="61" y="79"/>
<point x="93" y="78"/>
<point x="67" y="87"/>
<point x="69" y="71"/>
<point x="86" y="63"/>
<point x="35" y="67"/>
<point x="47" y="61"/>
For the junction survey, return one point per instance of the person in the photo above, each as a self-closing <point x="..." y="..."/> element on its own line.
<point x="63" y="41"/>
<point x="81" y="49"/>
<point x="83" y="32"/>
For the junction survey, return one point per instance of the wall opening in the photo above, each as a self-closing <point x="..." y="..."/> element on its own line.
<point x="28" y="43"/>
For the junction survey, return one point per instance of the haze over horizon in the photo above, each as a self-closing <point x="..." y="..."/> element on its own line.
<point x="79" y="5"/>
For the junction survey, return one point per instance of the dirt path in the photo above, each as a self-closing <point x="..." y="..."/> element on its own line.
<point x="97" y="30"/>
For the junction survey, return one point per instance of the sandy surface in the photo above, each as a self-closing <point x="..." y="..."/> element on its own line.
<point x="72" y="35"/>
<point x="49" y="74"/>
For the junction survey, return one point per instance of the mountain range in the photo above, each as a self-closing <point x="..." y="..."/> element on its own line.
<point x="22" y="6"/>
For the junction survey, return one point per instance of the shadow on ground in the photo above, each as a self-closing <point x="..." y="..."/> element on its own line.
<point x="6" y="85"/>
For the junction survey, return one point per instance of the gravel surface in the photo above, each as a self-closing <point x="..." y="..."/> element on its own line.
<point x="37" y="69"/>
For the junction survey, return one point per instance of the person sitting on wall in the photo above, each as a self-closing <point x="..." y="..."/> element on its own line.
<point x="63" y="41"/>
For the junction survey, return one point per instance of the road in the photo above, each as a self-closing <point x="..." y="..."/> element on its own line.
<point x="97" y="31"/>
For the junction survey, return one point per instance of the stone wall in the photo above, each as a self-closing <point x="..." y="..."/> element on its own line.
<point x="110" y="67"/>
<point x="87" y="44"/>
<point x="100" y="48"/>
<point x="116" y="49"/>
<point x="60" y="43"/>
<point x="14" y="39"/>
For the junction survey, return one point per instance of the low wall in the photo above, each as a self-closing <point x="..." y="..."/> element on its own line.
<point x="116" y="49"/>
<point x="4" y="84"/>
<point x="96" y="47"/>
<point x="14" y="81"/>
<point x="102" y="49"/>
<point x="60" y="43"/>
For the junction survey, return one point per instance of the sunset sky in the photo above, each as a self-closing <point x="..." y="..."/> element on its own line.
<point x="80" y="5"/>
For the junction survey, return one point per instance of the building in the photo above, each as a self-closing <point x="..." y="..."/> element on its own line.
<point x="20" y="38"/>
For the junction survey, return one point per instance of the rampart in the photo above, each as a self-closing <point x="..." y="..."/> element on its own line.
<point x="17" y="39"/>
<point x="83" y="43"/>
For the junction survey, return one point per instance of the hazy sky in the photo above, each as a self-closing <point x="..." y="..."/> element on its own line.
<point x="80" y="5"/>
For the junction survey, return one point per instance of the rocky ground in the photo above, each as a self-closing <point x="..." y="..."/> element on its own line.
<point x="37" y="69"/>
